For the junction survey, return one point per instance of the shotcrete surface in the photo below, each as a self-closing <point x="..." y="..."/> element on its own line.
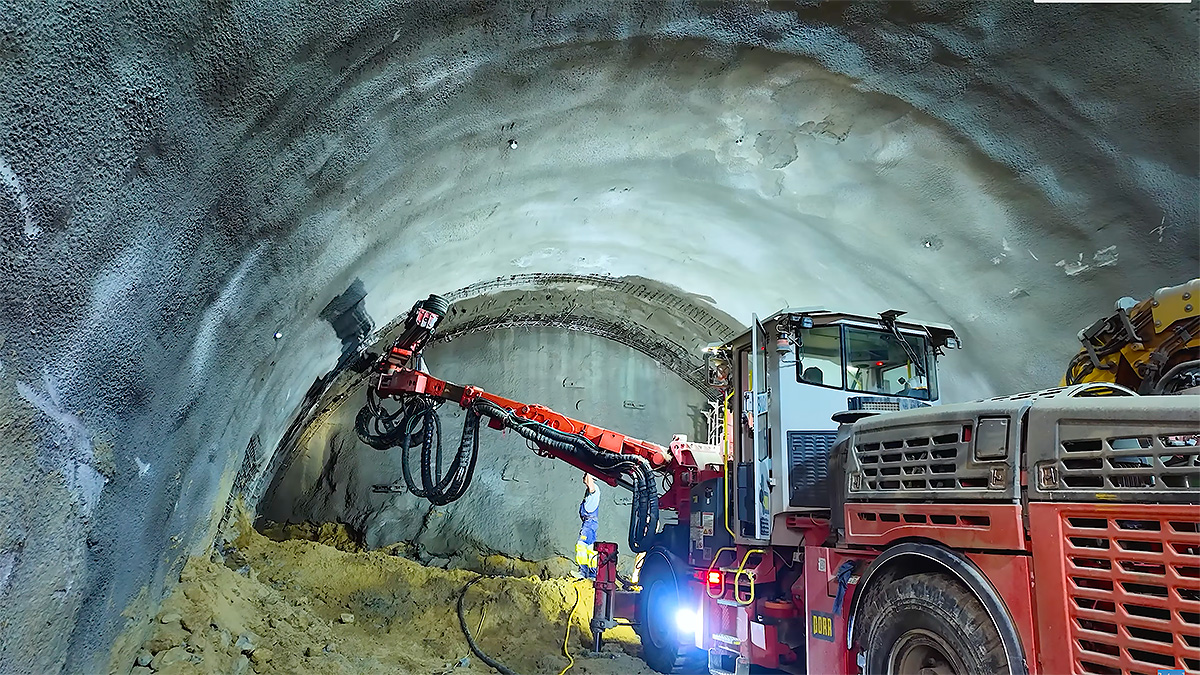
<point x="185" y="185"/>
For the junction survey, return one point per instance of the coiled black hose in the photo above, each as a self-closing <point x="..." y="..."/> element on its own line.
<point x="439" y="488"/>
<point x="417" y="422"/>
<point x="376" y="426"/>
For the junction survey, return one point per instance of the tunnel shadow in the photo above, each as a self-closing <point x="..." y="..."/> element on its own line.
<point x="350" y="321"/>
<point x="352" y="324"/>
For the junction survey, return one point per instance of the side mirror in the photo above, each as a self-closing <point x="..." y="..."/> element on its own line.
<point x="718" y="370"/>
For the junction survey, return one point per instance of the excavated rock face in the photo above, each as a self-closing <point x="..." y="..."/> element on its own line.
<point x="184" y="188"/>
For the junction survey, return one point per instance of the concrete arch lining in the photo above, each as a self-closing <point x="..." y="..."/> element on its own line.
<point x="664" y="323"/>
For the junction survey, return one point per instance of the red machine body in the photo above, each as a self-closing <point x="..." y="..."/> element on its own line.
<point x="1102" y="581"/>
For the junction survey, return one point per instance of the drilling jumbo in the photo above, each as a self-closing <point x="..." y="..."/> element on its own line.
<point x="847" y="524"/>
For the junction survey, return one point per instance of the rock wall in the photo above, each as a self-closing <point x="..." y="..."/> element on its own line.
<point x="184" y="186"/>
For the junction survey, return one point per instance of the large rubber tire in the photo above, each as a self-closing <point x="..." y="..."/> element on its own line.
<point x="663" y="648"/>
<point x="928" y="623"/>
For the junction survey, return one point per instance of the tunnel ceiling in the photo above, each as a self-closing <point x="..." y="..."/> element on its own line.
<point x="180" y="183"/>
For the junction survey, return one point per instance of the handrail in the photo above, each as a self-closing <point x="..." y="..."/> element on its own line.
<point x="750" y="573"/>
<point x="711" y="565"/>
<point x="725" y="464"/>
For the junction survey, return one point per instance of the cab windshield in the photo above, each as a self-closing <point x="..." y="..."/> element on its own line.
<point x="877" y="363"/>
<point x="869" y="361"/>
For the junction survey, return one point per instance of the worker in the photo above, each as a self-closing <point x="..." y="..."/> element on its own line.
<point x="589" y="514"/>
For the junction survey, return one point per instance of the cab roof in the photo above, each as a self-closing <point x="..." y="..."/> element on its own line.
<point x="825" y="316"/>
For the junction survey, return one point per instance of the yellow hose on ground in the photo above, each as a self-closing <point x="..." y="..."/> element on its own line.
<point x="567" y="636"/>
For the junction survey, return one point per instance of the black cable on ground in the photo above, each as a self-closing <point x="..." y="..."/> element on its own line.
<point x="462" y="623"/>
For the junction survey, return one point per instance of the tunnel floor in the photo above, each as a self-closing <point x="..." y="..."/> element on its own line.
<point x="278" y="602"/>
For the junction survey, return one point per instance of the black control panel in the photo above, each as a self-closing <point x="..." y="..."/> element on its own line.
<point x="708" y="531"/>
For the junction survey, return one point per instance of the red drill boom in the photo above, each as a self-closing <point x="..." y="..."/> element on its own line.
<point x="400" y="381"/>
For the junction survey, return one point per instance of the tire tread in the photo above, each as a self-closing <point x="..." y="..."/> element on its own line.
<point x="942" y="597"/>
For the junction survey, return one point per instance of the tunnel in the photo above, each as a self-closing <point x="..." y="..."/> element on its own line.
<point x="210" y="211"/>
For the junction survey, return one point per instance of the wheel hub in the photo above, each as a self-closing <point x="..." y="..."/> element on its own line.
<point x="657" y="600"/>
<point x="921" y="652"/>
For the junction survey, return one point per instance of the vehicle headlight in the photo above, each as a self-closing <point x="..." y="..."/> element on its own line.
<point x="687" y="621"/>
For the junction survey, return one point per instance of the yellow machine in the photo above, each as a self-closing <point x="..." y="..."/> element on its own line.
<point x="1152" y="346"/>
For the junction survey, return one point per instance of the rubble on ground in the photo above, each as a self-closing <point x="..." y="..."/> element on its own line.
<point x="295" y="605"/>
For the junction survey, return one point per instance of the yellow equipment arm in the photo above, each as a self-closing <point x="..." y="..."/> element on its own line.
<point x="1152" y="346"/>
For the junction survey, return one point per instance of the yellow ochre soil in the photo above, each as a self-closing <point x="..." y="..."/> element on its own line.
<point x="299" y="606"/>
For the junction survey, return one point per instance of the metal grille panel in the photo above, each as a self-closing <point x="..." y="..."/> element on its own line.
<point x="918" y="462"/>
<point x="1133" y="588"/>
<point x="1130" y="449"/>
<point x="881" y="405"/>
<point x="924" y="461"/>
<point x="808" y="459"/>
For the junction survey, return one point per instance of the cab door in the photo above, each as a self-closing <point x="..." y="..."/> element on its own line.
<point x="761" y="434"/>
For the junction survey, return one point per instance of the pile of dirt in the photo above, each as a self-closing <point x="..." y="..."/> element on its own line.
<point x="337" y="535"/>
<point x="298" y="606"/>
<point x="345" y="538"/>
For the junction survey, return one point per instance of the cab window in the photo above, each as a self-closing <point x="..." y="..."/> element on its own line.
<point x="877" y="363"/>
<point x="821" y="357"/>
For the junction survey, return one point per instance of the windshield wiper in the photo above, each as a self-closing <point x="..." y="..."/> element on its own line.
<point x="889" y="322"/>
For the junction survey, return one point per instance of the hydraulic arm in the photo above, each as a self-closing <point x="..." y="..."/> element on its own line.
<point x="612" y="457"/>
<point x="1152" y="346"/>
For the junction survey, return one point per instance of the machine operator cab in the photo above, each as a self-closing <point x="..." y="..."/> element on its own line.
<point x="789" y="375"/>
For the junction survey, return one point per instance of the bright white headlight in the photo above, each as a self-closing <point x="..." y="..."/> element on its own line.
<point x="686" y="621"/>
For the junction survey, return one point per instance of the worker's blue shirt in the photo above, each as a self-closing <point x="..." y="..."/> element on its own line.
<point x="589" y="513"/>
<point x="589" y="508"/>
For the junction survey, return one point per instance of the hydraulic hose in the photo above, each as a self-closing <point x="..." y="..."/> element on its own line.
<point x="417" y="422"/>
<point x="643" y="520"/>
<point x="376" y="426"/>
<point x="462" y="623"/>
<point x="440" y="489"/>
<point x="1175" y="372"/>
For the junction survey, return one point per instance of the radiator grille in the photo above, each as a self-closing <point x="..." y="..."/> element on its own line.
<point x="1133" y="593"/>
<point x="934" y="460"/>
<point x="808" y="458"/>
<point x="1134" y="463"/>
<point x="1134" y="449"/>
